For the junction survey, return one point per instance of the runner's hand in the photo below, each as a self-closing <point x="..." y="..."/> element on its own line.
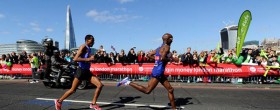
<point x="91" y="58"/>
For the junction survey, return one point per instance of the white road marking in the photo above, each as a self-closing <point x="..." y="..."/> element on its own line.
<point x="110" y="103"/>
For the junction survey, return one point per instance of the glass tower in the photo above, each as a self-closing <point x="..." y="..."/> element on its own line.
<point x="70" y="41"/>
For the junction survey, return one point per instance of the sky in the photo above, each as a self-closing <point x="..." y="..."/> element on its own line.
<point x="136" y="23"/>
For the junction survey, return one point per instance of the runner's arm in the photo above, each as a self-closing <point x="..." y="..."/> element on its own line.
<point x="77" y="57"/>
<point x="166" y="50"/>
<point x="151" y="55"/>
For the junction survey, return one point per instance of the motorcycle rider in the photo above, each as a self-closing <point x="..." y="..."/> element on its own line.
<point x="49" y="48"/>
<point x="56" y="65"/>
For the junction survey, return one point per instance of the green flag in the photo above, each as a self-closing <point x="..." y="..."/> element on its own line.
<point x="243" y="26"/>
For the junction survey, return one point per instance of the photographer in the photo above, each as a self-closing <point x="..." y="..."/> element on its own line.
<point x="49" y="49"/>
<point x="187" y="58"/>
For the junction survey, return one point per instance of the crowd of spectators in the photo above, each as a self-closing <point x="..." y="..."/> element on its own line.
<point x="191" y="57"/>
<point x="253" y="56"/>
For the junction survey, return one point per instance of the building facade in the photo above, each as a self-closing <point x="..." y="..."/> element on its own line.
<point x="229" y="37"/>
<point x="29" y="46"/>
<point x="274" y="43"/>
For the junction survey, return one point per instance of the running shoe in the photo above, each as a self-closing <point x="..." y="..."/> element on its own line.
<point x="57" y="104"/>
<point x="94" y="106"/>
<point x="125" y="81"/>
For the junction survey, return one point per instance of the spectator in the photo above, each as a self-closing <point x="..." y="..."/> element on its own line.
<point x="68" y="58"/>
<point x="3" y="61"/>
<point x="271" y="55"/>
<point x="212" y="58"/>
<point x="122" y="57"/>
<point x="264" y="62"/>
<point x="268" y="50"/>
<point x="141" y="57"/>
<point x="195" y="60"/>
<point x="34" y="62"/>
<point x="248" y="58"/>
<point x="148" y="59"/>
<point x="195" y="53"/>
<point x="23" y="58"/>
<point x="9" y="58"/>
<point x="274" y="61"/>
<point x="202" y="58"/>
<point x="112" y="58"/>
<point x="258" y="60"/>
<point x="131" y="56"/>
<point x="175" y="57"/>
<point x="106" y="57"/>
<point x="219" y="54"/>
<point x="14" y="57"/>
<point x="256" y="52"/>
<point x="101" y="48"/>
<point x="229" y="59"/>
<point x="99" y="58"/>
<point x="187" y="58"/>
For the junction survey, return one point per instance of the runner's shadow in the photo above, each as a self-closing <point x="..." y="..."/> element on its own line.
<point x="115" y="105"/>
<point x="178" y="101"/>
<point x="120" y="103"/>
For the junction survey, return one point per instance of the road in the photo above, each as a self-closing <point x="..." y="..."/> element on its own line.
<point x="21" y="95"/>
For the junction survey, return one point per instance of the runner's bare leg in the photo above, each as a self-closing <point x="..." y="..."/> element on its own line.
<point x="94" y="80"/>
<point x="153" y="82"/>
<point x="70" y="91"/>
<point x="170" y="90"/>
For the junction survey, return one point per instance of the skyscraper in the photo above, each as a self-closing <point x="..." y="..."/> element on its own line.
<point x="70" y="41"/>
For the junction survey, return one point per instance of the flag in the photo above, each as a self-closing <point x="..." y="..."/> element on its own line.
<point x="243" y="26"/>
<point x="112" y="47"/>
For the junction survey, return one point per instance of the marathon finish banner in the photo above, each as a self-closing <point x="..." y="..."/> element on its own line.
<point x="227" y="70"/>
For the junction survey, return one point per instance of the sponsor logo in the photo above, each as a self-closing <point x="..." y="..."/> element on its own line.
<point x="252" y="69"/>
<point x="141" y="69"/>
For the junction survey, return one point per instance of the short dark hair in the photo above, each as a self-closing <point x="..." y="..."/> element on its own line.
<point x="88" y="37"/>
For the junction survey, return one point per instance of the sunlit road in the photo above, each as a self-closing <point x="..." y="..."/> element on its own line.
<point x="20" y="95"/>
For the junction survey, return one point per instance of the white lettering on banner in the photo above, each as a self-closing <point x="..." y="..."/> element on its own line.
<point x="121" y="69"/>
<point x="20" y="69"/>
<point x="188" y="70"/>
<point x="197" y="70"/>
<point x="168" y="70"/>
<point x="110" y="69"/>
<point x="231" y="70"/>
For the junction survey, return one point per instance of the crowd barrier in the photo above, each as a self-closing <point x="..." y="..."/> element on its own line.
<point x="227" y="70"/>
<point x="175" y="72"/>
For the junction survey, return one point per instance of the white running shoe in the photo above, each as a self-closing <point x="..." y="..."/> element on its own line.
<point x="125" y="81"/>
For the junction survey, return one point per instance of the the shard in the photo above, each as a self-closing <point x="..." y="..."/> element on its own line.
<point x="70" y="41"/>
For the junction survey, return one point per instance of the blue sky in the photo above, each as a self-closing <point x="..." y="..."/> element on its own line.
<point x="136" y="23"/>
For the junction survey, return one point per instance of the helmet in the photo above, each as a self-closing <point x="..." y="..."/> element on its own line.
<point x="48" y="40"/>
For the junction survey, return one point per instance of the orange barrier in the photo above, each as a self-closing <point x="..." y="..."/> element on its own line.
<point x="227" y="70"/>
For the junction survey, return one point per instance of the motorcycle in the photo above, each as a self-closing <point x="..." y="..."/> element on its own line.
<point x="63" y="78"/>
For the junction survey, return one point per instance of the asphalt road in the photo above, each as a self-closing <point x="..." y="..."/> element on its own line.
<point x="21" y="95"/>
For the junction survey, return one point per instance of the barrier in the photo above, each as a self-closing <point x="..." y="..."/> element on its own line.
<point x="225" y="70"/>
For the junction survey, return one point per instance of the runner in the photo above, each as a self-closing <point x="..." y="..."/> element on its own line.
<point x="162" y="56"/>
<point x="83" y="57"/>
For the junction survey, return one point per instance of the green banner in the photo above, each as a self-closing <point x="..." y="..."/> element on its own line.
<point x="243" y="26"/>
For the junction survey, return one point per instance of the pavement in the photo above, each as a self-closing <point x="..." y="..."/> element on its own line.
<point x="18" y="94"/>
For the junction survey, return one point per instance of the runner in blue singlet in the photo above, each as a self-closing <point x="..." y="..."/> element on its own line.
<point x="84" y="58"/>
<point x="161" y="59"/>
<point x="159" y="67"/>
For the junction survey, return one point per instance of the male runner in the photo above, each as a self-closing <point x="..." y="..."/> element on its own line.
<point x="84" y="58"/>
<point x="161" y="56"/>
